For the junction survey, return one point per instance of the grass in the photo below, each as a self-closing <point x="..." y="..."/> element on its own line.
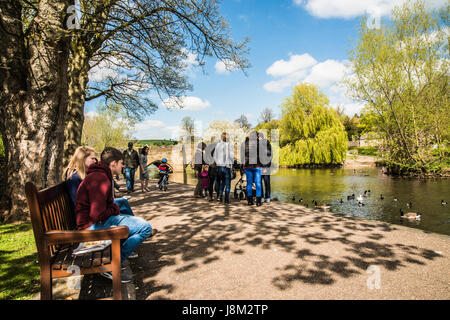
<point x="19" y="267"/>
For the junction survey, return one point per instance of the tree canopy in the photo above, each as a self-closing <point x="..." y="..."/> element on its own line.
<point x="400" y="71"/>
<point x="311" y="132"/>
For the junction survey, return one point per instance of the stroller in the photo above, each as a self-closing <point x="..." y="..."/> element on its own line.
<point x="240" y="189"/>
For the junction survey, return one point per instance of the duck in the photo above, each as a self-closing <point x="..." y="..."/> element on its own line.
<point x="360" y="198"/>
<point x="381" y="197"/>
<point x="444" y="203"/>
<point x="351" y="197"/>
<point x="323" y="206"/>
<point x="301" y="200"/>
<point x="361" y="204"/>
<point x="293" y="198"/>
<point x="395" y="199"/>
<point x="410" y="215"/>
<point x="409" y="204"/>
<point x="365" y="194"/>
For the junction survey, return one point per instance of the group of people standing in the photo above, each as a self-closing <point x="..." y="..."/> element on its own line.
<point x="215" y="167"/>
<point x="131" y="161"/>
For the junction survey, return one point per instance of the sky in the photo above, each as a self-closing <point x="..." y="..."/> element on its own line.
<point x="291" y="41"/>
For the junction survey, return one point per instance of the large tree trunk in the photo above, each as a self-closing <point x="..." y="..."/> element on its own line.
<point x="33" y="79"/>
<point x="78" y="79"/>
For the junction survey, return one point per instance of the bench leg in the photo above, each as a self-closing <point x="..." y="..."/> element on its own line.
<point x="46" y="283"/>
<point x="116" y="270"/>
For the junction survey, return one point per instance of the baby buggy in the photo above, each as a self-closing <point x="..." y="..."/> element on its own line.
<point x="240" y="189"/>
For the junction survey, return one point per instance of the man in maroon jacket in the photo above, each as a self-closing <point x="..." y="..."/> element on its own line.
<point x="95" y="208"/>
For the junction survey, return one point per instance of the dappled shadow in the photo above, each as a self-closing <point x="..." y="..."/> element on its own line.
<point x="197" y="233"/>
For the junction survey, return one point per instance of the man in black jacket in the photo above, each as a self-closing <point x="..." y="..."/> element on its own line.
<point x="131" y="162"/>
<point x="266" y="160"/>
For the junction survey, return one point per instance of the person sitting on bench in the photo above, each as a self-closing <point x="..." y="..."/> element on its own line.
<point x="95" y="208"/>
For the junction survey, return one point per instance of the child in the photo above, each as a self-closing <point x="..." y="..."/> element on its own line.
<point x="203" y="175"/>
<point x="164" y="169"/>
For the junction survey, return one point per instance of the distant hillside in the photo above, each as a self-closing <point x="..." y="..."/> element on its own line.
<point x="156" y="142"/>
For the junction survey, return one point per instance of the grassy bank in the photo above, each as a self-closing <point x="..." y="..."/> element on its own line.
<point x="19" y="267"/>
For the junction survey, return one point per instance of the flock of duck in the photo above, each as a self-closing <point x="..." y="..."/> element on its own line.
<point x="360" y="199"/>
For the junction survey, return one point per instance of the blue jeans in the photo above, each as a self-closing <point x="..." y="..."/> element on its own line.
<point x="129" y="176"/>
<point x="253" y="176"/>
<point x="139" y="231"/>
<point x="224" y="179"/>
<point x="124" y="206"/>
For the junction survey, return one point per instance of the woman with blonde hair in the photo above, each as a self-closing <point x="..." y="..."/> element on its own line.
<point x="75" y="172"/>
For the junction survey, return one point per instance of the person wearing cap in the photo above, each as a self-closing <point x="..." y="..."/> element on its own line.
<point x="131" y="162"/>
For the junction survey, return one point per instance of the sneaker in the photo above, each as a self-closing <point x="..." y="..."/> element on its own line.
<point x="154" y="231"/>
<point x="125" y="277"/>
<point x="133" y="255"/>
<point x="227" y="201"/>
<point x="267" y="200"/>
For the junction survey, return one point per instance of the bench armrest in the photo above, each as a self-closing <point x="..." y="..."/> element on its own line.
<point x="54" y="237"/>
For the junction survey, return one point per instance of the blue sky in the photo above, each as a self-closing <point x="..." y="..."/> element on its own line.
<point x="291" y="41"/>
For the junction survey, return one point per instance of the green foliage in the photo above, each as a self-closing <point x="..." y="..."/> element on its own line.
<point x="401" y="72"/>
<point x="368" y="151"/>
<point x="310" y="131"/>
<point x="107" y="128"/>
<point x="268" y="127"/>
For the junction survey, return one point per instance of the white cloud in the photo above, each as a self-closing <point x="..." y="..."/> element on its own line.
<point x="353" y="8"/>
<point x="107" y="68"/>
<point x="295" y="64"/>
<point x="304" y="68"/>
<point x="186" y="103"/>
<point x="149" y="124"/>
<point x="225" y="67"/>
<point x="326" y="73"/>
<point x="289" y="72"/>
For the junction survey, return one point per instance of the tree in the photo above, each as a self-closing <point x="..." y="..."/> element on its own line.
<point x="215" y="129"/>
<point x="145" y="45"/>
<point x="242" y="122"/>
<point x="33" y="77"/>
<point x="401" y="72"/>
<point x="188" y="128"/>
<point x="108" y="128"/>
<point x="311" y="132"/>
<point x="267" y="115"/>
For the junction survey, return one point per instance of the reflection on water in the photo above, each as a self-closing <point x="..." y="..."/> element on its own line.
<point x="332" y="185"/>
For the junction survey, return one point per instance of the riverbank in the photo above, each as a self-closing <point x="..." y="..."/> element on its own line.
<point x="280" y="250"/>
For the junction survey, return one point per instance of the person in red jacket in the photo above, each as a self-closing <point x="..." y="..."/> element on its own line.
<point x="95" y="208"/>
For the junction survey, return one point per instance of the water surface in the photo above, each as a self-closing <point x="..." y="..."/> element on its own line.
<point x="331" y="185"/>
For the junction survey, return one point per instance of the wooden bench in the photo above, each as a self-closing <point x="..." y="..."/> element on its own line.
<point x="54" y="227"/>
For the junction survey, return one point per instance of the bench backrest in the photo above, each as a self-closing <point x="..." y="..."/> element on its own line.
<point x="50" y="209"/>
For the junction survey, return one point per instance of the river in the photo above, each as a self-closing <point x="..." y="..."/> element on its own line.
<point x="331" y="185"/>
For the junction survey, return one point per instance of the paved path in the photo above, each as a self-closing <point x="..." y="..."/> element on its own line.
<point x="280" y="251"/>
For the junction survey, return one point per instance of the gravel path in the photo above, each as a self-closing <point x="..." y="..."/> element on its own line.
<point x="280" y="250"/>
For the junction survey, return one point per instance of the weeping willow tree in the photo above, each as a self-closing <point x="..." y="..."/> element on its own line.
<point x="310" y="131"/>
